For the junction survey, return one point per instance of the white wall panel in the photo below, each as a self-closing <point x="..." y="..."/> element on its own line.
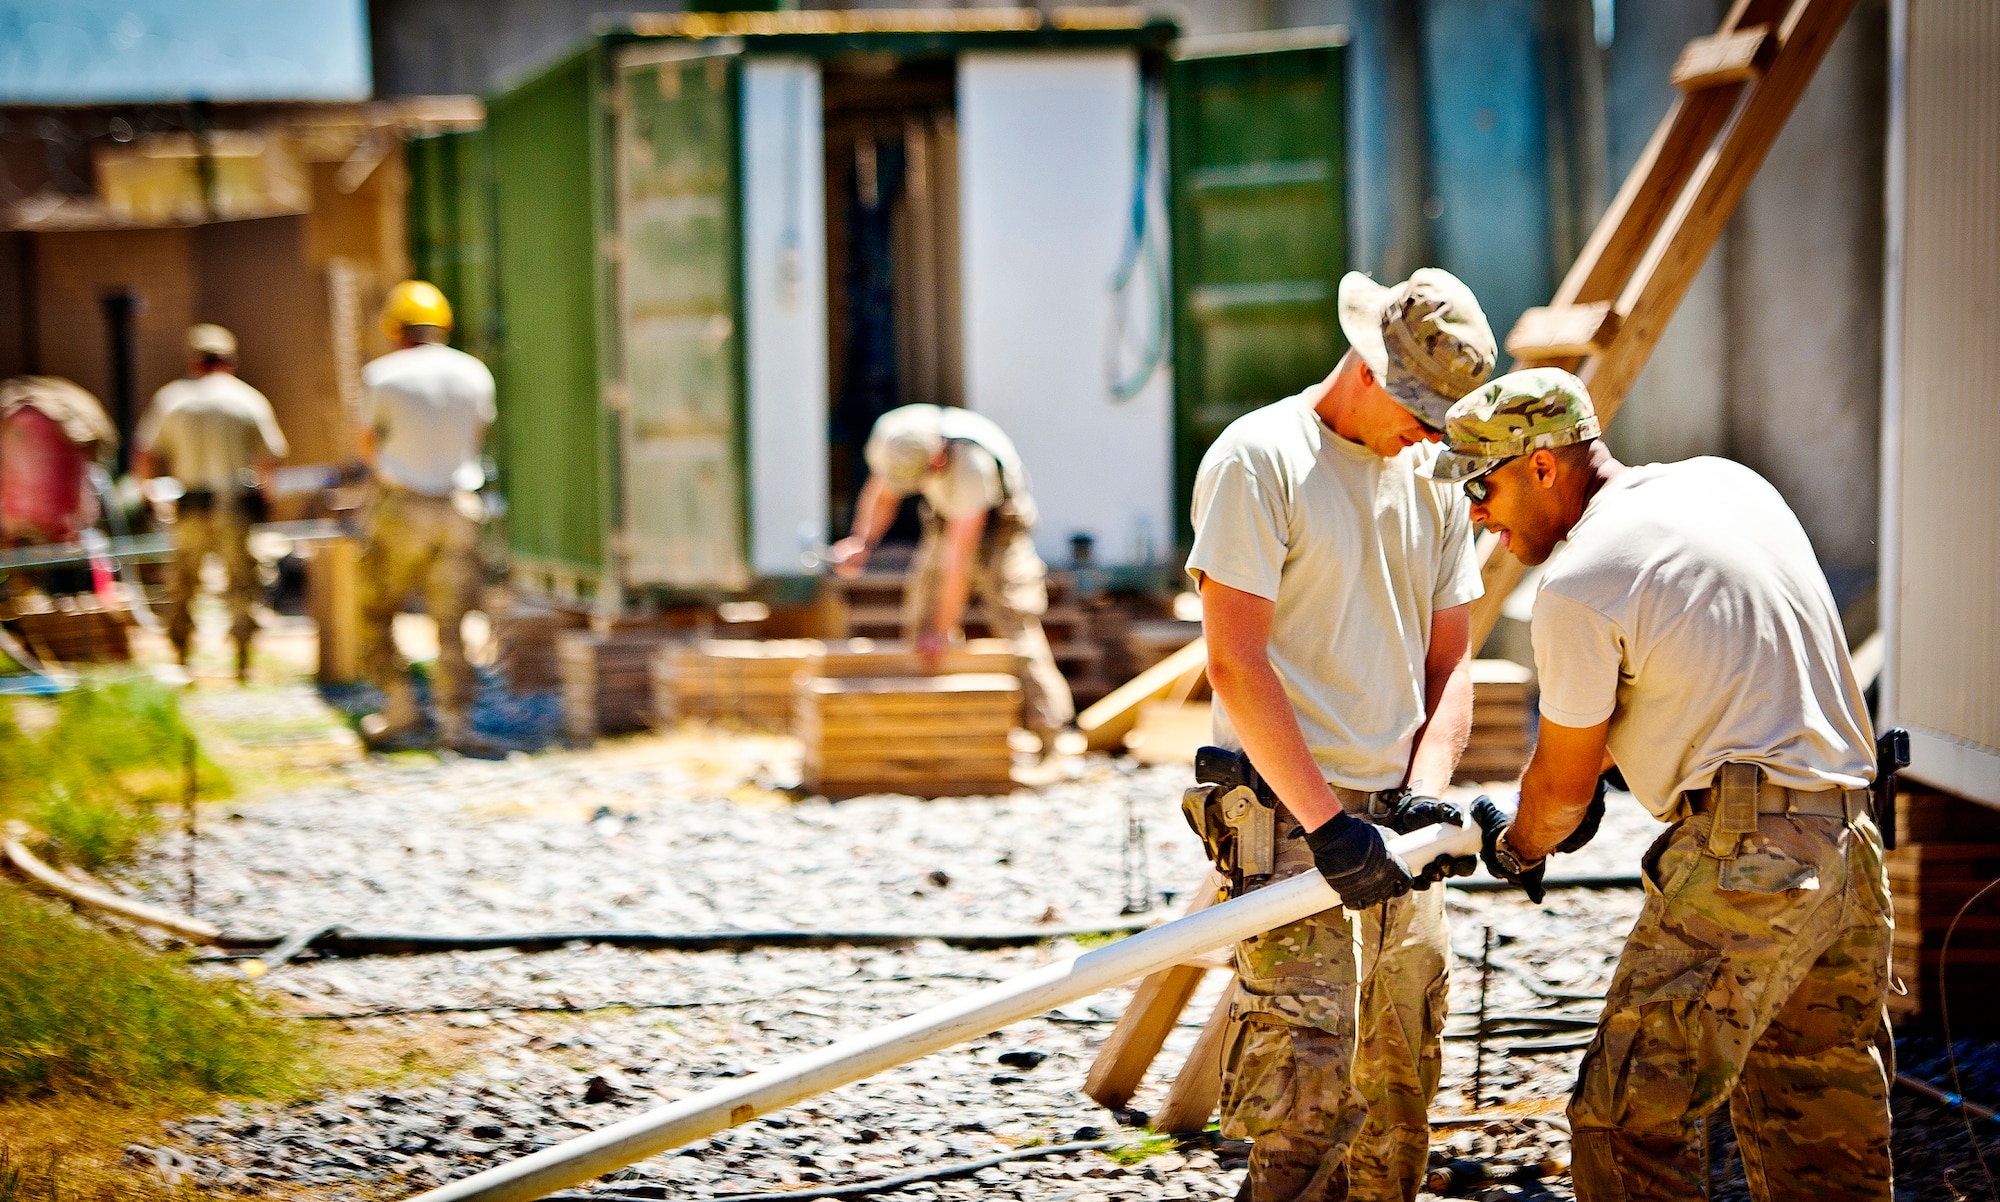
<point x="1046" y="160"/>
<point x="1941" y="489"/>
<point x="784" y="267"/>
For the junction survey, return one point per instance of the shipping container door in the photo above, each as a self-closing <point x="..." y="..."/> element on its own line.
<point x="1259" y="197"/>
<point x="679" y="363"/>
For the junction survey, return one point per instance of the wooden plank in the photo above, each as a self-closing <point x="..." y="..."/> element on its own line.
<point x="900" y="687"/>
<point x="1155" y="1009"/>
<point x="1170" y="732"/>
<point x="1198" y="1086"/>
<point x="1724" y="58"/>
<point x="1106" y="723"/>
<point x="1148" y="1019"/>
<point x="1552" y="332"/>
<point x="1705" y="206"/>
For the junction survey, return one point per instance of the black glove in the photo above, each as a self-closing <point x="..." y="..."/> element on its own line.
<point x="1407" y="811"/>
<point x="1493" y="822"/>
<point x="1353" y="858"/>
<point x="1593" y="817"/>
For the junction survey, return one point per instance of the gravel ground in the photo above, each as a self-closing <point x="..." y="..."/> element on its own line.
<point x="696" y="832"/>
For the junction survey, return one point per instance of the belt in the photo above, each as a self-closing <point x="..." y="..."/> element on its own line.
<point x="1780" y="799"/>
<point x="1363" y="805"/>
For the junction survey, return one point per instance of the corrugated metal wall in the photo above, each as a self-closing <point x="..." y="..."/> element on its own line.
<point x="550" y="441"/>
<point x="1947" y="645"/>
<point x="451" y="232"/>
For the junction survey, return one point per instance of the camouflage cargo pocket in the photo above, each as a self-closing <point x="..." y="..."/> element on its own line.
<point x="1762" y="866"/>
<point x="1639" y="1074"/>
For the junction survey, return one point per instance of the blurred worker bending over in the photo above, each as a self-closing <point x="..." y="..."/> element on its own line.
<point x="978" y="520"/>
<point x="425" y="413"/>
<point x="218" y="438"/>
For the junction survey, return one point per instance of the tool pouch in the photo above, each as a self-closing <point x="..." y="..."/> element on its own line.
<point x="1733" y="813"/>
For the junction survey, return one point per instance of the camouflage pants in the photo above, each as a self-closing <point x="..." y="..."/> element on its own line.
<point x="415" y="540"/>
<point x="1337" y="1051"/>
<point x="1009" y="578"/>
<point x="1756" y="981"/>
<point x="223" y="531"/>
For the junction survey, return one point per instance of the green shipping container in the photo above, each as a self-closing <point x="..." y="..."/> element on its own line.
<point x="1259" y="203"/>
<point x="597" y="227"/>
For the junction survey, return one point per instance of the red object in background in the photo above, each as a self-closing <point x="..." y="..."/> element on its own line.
<point x="50" y="432"/>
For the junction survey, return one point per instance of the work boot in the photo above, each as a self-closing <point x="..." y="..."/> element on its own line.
<point x="378" y="733"/>
<point x="461" y="738"/>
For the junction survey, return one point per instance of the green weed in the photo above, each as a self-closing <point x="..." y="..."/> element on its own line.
<point x="1147" y="1145"/>
<point x="84" y="1010"/>
<point x="114" y="750"/>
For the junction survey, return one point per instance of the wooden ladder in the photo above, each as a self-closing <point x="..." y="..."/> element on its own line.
<point x="1736" y="89"/>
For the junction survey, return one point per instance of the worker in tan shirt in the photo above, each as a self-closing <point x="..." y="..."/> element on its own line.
<point x="979" y="518"/>
<point x="1684" y="627"/>
<point x="217" y="436"/>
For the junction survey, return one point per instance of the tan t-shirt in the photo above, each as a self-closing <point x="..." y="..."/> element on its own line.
<point x="1357" y="552"/>
<point x="208" y="430"/>
<point x="1687" y="607"/>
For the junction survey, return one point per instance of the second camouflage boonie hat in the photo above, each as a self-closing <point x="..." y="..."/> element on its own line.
<point x="1426" y="338"/>
<point x="902" y="444"/>
<point x="1520" y="412"/>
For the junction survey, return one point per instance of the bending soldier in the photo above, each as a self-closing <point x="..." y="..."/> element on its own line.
<point x="978" y="521"/>
<point x="217" y="436"/>
<point x="1687" y="629"/>
<point x="1335" y="587"/>
<point x="428" y="407"/>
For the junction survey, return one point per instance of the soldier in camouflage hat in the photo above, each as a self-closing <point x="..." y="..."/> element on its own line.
<point x="1425" y="339"/>
<point x="1336" y="586"/>
<point x="1685" y="629"/>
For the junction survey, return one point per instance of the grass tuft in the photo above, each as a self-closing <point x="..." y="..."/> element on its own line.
<point x="1145" y="1147"/>
<point x="82" y="1010"/>
<point x="114" y="750"/>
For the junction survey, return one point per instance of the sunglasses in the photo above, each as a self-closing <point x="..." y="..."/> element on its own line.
<point x="1477" y="489"/>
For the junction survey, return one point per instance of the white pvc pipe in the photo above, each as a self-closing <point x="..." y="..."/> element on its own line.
<point x="940" y="1027"/>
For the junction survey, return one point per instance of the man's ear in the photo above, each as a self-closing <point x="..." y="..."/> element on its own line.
<point x="1542" y="465"/>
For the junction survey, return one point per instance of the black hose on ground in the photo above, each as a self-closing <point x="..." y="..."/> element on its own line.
<point x="863" y="1189"/>
<point x="336" y="940"/>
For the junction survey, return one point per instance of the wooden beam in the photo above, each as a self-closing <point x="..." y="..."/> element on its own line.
<point x="1149" y="1018"/>
<point x="1193" y="1096"/>
<point x="1552" y="332"/>
<point x="1705" y="206"/>
<point x="1725" y="58"/>
<point x="1107" y="722"/>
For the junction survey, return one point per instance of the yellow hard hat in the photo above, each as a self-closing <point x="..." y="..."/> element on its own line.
<point x="414" y="303"/>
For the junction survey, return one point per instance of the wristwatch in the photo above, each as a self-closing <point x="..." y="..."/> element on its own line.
<point x="1510" y="861"/>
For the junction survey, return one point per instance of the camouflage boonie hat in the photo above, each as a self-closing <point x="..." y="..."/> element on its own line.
<point x="1520" y="412"/>
<point x="902" y="445"/>
<point x="1425" y="338"/>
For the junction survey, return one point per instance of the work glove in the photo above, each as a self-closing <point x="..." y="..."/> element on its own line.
<point x="1405" y="811"/>
<point x="1593" y="818"/>
<point x="1355" y="860"/>
<point x="1500" y="861"/>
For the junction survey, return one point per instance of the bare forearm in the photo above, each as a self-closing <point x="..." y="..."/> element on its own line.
<point x="1254" y="698"/>
<point x="874" y="512"/>
<point x="1442" y="739"/>
<point x="1557" y="788"/>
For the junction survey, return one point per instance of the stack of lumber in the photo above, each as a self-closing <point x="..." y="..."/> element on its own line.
<point x="871" y="721"/>
<point x="73" y="630"/>
<point x="1947" y="850"/>
<point x="738" y="682"/>
<point x="526" y="637"/>
<point x="606" y="679"/>
<point x="1502" y="708"/>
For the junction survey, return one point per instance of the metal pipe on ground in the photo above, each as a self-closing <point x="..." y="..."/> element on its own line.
<point x="932" y="1030"/>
